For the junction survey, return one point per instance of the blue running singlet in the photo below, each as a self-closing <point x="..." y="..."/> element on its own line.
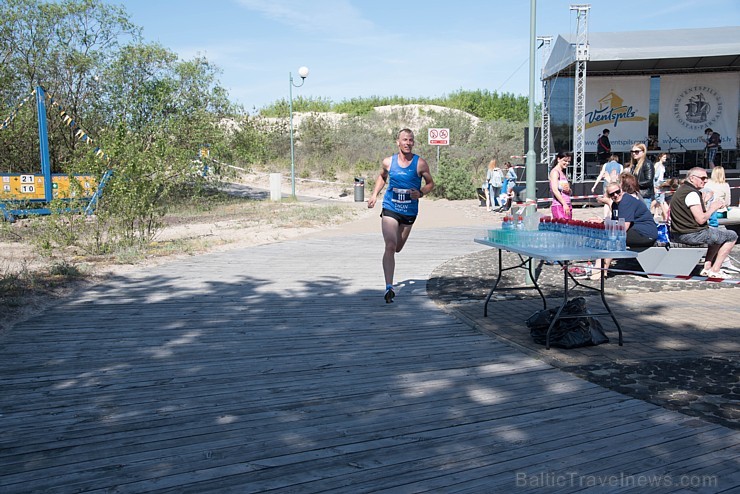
<point x="401" y="181"/>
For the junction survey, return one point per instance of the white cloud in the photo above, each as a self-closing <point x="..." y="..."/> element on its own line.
<point x="337" y="18"/>
<point x="687" y="6"/>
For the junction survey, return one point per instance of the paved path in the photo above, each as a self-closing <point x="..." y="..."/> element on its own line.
<point x="279" y="368"/>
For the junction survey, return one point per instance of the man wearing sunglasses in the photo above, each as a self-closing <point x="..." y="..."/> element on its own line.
<point x="689" y="223"/>
<point x="641" y="228"/>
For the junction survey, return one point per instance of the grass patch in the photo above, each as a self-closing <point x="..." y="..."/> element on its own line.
<point x="24" y="287"/>
<point x="246" y="212"/>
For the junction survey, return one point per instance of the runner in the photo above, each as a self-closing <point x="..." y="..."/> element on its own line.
<point x="403" y="173"/>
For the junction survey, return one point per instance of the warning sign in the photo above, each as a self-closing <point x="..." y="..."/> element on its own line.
<point x="439" y="137"/>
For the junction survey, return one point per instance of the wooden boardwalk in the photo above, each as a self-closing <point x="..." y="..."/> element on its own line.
<point x="279" y="368"/>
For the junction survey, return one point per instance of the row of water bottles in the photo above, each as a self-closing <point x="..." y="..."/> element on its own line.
<point x="511" y="222"/>
<point x="609" y="235"/>
<point x="550" y="234"/>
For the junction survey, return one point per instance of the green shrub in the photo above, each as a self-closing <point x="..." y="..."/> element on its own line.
<point x="329" y="173"/>
<point x="453" y="181"/>
<point x="366" y="169"/>
<point x="65" y="269"/>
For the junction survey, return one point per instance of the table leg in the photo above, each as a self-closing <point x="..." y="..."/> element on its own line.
<point x="562" y="306"/>
<point x="495" y="284"/>
<point x="608" y="309"/>
<point x="536" y="285"/>
<point x="524" y="264"/>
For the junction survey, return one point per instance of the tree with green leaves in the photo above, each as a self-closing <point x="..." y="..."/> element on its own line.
<point x="145" y="108"/>
<point x="61" y="46"/>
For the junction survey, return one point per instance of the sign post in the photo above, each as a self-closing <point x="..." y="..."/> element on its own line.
<point x="439" y="137"/>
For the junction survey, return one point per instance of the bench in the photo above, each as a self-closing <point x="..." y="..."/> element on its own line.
<point x="730" y="223"/>
<point x="675" y="259"/>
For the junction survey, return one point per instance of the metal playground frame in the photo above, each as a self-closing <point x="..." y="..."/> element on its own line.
<point x="27" y="194"/>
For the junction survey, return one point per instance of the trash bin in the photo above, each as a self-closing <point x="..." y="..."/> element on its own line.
<point x="359" y="189"/>
<point x="481" y="196"/>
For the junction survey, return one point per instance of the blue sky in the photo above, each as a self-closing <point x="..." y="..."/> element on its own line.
<point x="361" y="48"/>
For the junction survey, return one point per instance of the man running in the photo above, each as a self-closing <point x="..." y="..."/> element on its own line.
<point x="403" y="173"/>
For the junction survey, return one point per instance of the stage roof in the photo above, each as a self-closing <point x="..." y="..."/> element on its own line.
<point x="650" y="52"/>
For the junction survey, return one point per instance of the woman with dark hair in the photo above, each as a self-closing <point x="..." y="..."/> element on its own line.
<point x="629" y="184"/>
<point x="509" y="177"/>
<point x="643" y="169"/>
<point x="560" y="187"/>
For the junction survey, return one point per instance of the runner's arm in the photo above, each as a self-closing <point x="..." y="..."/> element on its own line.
<point x="379" y="182"/>
<point x="428" y="186"/>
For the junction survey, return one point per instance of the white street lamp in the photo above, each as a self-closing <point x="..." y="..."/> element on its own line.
<point x="303" y="72"/>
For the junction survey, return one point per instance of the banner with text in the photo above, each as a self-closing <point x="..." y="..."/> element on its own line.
<point x="620" y="104"/>
<point x="691" y="103"/>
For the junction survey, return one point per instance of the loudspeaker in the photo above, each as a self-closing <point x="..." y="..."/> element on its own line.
<point x="592" y="169"/>
<point x="537" y="141"/>
<point x="542" y="169"/>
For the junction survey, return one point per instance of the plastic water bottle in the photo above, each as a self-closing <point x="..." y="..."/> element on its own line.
<point x="604" y="244"/>
<point x="612" y="234"/>
<point x="507" y="229"/>
<point x="520" y="223"/>
<point x="590" y="233"/>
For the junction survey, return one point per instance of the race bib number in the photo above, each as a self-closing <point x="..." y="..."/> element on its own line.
<point x="401" y="196"/>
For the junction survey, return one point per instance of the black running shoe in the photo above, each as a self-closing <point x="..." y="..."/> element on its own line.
<point x="389" y="294"/>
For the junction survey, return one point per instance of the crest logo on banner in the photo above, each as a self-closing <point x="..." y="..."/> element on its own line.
<point x="689" y="103"/>
<point x="698" y="107"/>
<point x="612" y="110"/>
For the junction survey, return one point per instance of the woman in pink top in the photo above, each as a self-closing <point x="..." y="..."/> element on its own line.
<point x="560" y="187"/>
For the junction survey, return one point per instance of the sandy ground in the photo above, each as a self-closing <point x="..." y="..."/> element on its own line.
<point x="434" y="213"/>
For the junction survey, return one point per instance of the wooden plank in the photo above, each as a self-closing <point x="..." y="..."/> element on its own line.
<point x="333" y="451"/>
<point x="366" y="473"/>
<point x="227" y="456"/>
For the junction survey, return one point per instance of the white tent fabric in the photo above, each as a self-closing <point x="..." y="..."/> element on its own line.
<point x="651" y="52"/>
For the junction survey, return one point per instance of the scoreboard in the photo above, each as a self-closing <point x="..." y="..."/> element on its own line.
<point x="24" y="187"/>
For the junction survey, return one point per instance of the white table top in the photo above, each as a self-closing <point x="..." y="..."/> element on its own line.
<point x="564" y="254"/>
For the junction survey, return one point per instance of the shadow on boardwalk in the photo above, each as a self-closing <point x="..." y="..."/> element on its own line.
<point x="682" y="340"/>
<point x="280" y="368"/>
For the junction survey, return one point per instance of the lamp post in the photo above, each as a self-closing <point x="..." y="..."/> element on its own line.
<point x="303" y="72"/>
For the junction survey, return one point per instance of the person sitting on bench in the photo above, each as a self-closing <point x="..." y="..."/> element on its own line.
<point x="506" y="199"/>
<point x="641" y="228"/>
<point x="689" y="223"/>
